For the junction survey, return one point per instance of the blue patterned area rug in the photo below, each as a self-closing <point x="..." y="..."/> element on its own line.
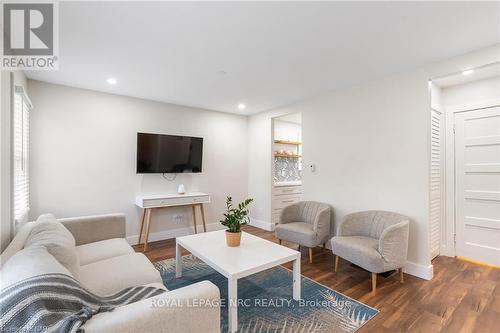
<point x="268" y="303"/>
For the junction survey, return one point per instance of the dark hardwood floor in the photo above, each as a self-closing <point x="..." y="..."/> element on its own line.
<point x="462" y="297"/>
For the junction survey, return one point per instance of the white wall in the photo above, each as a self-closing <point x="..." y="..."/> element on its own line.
<point x="370" y="146"/>
<point x="472" y="92"/>
<point x="83" y="156"/>
<point x="436" y="98"/>
<point x="287" y="131"/>
<point x="292" y="118"/>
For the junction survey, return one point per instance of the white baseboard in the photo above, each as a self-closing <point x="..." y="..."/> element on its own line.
<point x="421" y="271"/>
<point x="261" y="224"/>
<point x="172" y="233"/>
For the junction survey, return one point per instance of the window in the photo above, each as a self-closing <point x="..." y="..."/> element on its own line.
<point x="21" y="155"/>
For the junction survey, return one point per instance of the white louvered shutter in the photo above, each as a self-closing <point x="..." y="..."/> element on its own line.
<point x="436" y="183"/>
<point x="21" y="158"/>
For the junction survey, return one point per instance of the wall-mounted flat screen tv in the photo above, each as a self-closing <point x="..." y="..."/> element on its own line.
<point x="158" y="153"/>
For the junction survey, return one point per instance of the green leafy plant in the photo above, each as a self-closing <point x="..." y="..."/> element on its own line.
<point x="235" y="217"/>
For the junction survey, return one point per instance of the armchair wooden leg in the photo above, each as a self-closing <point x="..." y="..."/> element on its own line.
<point x="324" y="246"/>
<point x="279" y="240"/>
<point x="374" y="282"/>
<point x="310" y="255"/>
<point x="336" y="264"/>
<point x="401" y="278"/>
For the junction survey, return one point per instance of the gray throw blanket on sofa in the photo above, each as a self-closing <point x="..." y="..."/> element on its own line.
<point x="58" y="303"/>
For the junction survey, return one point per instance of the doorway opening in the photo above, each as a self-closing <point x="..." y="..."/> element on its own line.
<point x="286" y="167"/>
<point x="464" y="180"/>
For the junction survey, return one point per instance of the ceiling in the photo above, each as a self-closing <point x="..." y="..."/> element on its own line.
<point x="215" y="55"/>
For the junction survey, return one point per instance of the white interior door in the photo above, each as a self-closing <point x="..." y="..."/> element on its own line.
<point x="477" y="184"/>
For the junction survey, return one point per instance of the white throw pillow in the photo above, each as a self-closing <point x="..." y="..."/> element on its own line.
<point x="32" y="261"/>
<point x="51" y="234"/>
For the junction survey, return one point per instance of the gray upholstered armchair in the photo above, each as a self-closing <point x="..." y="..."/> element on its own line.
<point x="306" y="223"/>
<point x="374" y="240"/>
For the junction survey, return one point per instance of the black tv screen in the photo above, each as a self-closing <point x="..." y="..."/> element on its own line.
<point x="157" y="153"/>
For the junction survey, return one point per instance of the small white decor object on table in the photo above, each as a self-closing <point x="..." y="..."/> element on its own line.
<point x="252" y="256"/>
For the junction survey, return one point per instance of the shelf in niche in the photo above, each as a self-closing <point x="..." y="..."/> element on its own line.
<point x="285" y="142"/>
<point x="287" y="155"/>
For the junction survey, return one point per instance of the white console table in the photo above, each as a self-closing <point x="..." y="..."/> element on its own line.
<point x="150" y="202"/>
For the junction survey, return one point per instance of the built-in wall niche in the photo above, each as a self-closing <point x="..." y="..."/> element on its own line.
<point x="287" y="149"/>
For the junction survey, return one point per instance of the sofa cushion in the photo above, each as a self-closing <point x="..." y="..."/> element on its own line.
<point x="297" y="232"/>
<point x="105" y="249"/>
<point x="17" y="243"/>
<point x="360" y="250"/>
<point x="111" y="275"/>
<point x="59" y="242"/>
<point x="32" y="261"/>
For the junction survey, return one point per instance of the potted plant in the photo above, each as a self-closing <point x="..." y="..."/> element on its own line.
<point x="234" y="218"/>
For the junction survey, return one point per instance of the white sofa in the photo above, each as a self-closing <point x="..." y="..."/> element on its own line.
<point x="107" y="264"/>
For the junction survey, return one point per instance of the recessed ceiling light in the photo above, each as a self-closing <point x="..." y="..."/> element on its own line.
<point x="241" y="106"/>
<point x="111" y="80"/>
<point x="468" y="72"/>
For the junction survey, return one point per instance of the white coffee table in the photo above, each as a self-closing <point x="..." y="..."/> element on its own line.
<point x="252" y="256"/>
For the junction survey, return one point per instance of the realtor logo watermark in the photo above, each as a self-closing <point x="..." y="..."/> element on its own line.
<point x="30" y="35"/>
